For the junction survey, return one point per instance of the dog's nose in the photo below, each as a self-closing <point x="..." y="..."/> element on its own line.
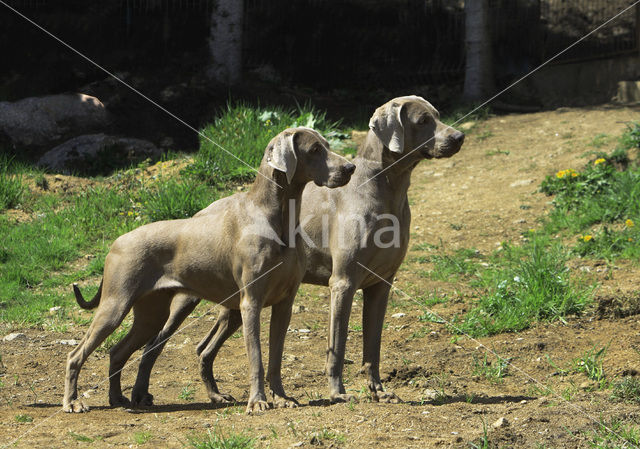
<point x="458" y="137"/>
<point x="349" y="168"/>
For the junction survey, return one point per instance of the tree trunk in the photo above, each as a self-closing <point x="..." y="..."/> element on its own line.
<point x="225" y="41"/>
<point x="478" y="80"/>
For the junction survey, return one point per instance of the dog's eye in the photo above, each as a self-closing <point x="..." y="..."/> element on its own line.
<point x="315" y="149"/>
<point x="423" y="120"/>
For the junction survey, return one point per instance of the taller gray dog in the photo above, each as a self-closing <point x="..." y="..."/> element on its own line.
<point x="346" y="245"/>
<point x="242" y="253"/>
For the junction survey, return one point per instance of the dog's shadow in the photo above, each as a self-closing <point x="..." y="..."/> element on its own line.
<point x="240" y="406"/>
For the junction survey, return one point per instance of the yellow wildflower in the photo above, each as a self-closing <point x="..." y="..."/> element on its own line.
<point x="568" y="172"/>
<point x="630" y="239"/>
<point x="629" y="223"/>
<point x="599" y="161"/>
<point x="586" y="238"/>
<point x="130" y="214"/>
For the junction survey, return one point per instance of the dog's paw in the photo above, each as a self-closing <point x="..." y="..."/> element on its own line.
<point x="343" y="397"/>
<point x="257" y="407"/>
<point x="284" y="402"/>
<point x="75" y="406"/>
<point x="387" y="397"/>
<point x="119" y="401"/>
<point x="221" y="398"/>
<point x="142" y="399"/>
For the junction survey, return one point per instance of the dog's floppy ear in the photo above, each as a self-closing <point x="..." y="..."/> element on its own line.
<point x="282" y="156"/>
<point x="387" y="124"/>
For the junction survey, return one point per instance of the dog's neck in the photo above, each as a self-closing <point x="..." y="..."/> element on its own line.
<point x="375" y="162"/>
<point x="278" y="200"/>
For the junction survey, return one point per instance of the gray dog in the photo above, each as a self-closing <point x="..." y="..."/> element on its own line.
<point x="242" y="253"/>
<point x="348" y="236"/>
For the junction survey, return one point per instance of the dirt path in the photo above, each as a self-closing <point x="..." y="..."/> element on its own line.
<point x="483" y="196"/>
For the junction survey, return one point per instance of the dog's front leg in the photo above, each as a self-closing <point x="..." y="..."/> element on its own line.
<point x="342" y="291"/>
<point x="250" y="307"/>
<point x="280" y="318"/>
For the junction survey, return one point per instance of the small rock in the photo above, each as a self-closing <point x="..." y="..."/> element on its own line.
<point x="520" y="221"/>
<point x="500" y="422"/>
<point x="71" y="342"/>
<point x="430" y="394"/>
<point x="521" y="182"/>
<point x="53" y="310"/>
<point x="14" y="336"/>
<point x="298" y="444"/>
<point x="304" y="331"/>
<point x="398" y="315"/>
<point x="297" y="308"/>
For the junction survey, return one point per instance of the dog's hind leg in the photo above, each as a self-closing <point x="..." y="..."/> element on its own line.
<point x="149" y="315"/>
<point x="181" y="306"/>
<point x="108" y="317"/>
<point x="228" y="322"/>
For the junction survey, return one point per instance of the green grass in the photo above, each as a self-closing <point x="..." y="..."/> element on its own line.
<point x="12" y="189"/>
<point x="591" y="364"/>
<point x="171" y="199"/>
<point x="188" y="393"/>
<point x="35" y="256"/>
<point x="600" y="204"/>
<point x="523" y="285"/>
<point x="142" y="437"/>
<point x="627" y="389"/>
<point x="219" y="441"/>
<point x="614" y="434"/>
<point x="245" y="132"/>
<point x="23" y="418"/>
<point x="492" y="370"/>
<point x="452" y="267"/>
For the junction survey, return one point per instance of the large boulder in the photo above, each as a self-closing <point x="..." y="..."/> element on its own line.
<point x="97" y="154"/>
<point x="41" y="122"/>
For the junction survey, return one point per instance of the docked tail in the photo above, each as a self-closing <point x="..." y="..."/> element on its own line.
<point x="87" y="305"/>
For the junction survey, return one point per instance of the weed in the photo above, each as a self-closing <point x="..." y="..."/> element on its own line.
<point x="497" y="151"/>
<point x="142" y="437"/>
<point x="591" y="364"/>
<point x="494" y="371"/>
<point x="80" y="437"/>
<point x="614" y="434"/>
<point x="484" y="442"/>
<point x="23" y="418"/>
<point x="451" y="266"/>
<point x="187" y="393"/>
<point x="627" y="389"/>
<point x="325" y="434"/>
<point x="220" y="441"/>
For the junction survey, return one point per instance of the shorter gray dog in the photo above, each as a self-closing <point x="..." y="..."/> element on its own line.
<point x="244" y="254"/>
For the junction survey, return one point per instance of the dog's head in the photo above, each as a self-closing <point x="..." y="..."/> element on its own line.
<point x="304" y="156"/>
<point x="411" y="124"/>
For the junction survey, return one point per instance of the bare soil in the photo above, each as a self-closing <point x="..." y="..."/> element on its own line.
<point x="485" y="195"/>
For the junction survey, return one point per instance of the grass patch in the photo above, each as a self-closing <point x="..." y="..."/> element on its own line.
<point x="219" y="441"/>
<point x="12" y="189"/>
<point x="142" y="437"/>
<point x="35" y="256"/>
<point x="524" y="284"/>
<point x="614" y="434"/>
<point x="245" y="132"/>
<point x="601" y="203"/>
<point x="627" y="389"/>
<point x="491" y="370"/>
<point x="450" y="267"/>
<point x="591" y="364"/>
<point x="23" y="418"/>
<point x="171" y="199"/>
